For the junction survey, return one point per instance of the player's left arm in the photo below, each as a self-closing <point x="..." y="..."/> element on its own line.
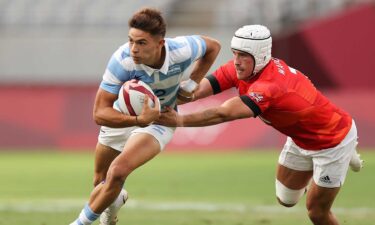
<point x="203" y="64"/>
<point x="200" y="69"/>
<point x="232" y="109"/>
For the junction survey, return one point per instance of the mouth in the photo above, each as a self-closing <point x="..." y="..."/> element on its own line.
<point x="238" y="70"/>
<point x="136" y="59"/>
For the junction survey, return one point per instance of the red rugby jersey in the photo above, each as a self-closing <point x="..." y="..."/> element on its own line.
<point x="286" y="99"/>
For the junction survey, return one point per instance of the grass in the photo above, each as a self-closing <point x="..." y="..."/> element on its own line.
<point x="50" y="188"/>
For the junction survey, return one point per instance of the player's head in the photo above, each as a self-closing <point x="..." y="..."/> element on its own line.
<point x="255" y="40"/>
<point x="147" y="30"/>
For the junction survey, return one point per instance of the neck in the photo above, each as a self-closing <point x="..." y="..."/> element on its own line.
<point x="161" y="58"/>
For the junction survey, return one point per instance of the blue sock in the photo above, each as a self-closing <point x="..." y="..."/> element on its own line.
<point x="86" y="217"/>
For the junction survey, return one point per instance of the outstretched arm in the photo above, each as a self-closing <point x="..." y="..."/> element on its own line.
<point x="231" y="109"/>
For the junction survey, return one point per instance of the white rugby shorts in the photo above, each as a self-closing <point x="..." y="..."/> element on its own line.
<point x="117" y="137"/>
<point x="329" y="165"/>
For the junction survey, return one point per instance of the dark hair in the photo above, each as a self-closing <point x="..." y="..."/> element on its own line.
<point x="149" y="20"/>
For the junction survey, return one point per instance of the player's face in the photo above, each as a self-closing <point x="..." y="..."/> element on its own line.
<point x="244" y="64"/>
<point x="145" y="48"/>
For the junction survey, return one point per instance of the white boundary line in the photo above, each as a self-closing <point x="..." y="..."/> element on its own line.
<point x="66" y="205"/>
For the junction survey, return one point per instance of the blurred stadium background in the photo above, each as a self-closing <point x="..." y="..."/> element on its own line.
<point x="52" y="57"/>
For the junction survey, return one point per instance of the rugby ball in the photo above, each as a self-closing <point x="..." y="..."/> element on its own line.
<point x="131" y="97"/>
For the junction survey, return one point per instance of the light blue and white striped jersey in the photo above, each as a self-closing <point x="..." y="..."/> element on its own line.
<point x="181" y="52"/>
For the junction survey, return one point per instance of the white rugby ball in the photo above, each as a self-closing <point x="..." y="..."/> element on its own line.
<point x="131" y="97"/>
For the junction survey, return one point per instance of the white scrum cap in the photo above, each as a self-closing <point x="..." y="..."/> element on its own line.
<point x="255" y="40"/>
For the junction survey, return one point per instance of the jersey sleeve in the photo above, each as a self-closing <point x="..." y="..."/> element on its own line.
<point x="223" y="78"/>
<point x="116" y="73"/>
<point x="259" y="97"/>
<point x="197" y="45"/>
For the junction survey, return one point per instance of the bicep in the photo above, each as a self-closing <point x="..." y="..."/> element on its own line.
<point x="235" y="108"/>
<point x="204" y="89"/>
<point x="104" y="99"/>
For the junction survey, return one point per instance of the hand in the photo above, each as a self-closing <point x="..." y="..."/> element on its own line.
<point x="184" y="96"/>
<point x="148" y="114"/>
<point x="169" y="118"/>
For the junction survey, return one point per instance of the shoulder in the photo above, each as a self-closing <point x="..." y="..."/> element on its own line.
<point x="226" y="69"/>
<point x="122" y="58"/>
<point x="185" y="48"/>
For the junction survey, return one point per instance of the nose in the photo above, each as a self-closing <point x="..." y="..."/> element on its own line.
<point x="134" y="48"/>
<point x="236" y="60"/>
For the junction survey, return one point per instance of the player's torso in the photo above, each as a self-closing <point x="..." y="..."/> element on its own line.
<point x="165" y="81"/>
<point x="296" y="108"/>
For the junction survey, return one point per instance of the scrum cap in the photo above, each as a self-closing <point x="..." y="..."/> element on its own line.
<point x="255" y="40"/>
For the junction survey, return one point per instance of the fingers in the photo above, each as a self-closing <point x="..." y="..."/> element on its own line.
<point x="157" y="104"/>
<point x="145" y="100"/>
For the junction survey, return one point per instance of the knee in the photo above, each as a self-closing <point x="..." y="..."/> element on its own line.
<point x="316" y="214"/>
<point x="117" y="174"/>
<point x="98" y="178"/>
<point x="287" y="197"/>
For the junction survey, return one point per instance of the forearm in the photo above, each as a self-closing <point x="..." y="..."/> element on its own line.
<point x="207" y="117"/>
<point x="220" y="114"/>
<point x="112" y="118"/>
<point x="202" y="66"/>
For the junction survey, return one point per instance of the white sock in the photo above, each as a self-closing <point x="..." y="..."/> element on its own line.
<point x="120" y="199"/>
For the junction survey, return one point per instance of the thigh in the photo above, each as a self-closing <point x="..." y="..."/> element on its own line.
<point x="293" y="179"/>
<point x="104" y="155"/>
<point x="331" y="165"/>
<point x="139" y="149"/>
<point x="161" y="133"/>
<point x="320" y="198"/>
<point x="115" y="137"/>
<point x="295" y="169"/>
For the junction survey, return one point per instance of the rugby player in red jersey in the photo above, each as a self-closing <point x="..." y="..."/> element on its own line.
<point x="321" y="138"/>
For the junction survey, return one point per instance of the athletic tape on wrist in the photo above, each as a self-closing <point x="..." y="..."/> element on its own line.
<point x="189" y="85"/>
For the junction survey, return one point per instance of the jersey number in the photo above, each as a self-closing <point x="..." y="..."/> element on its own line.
<point x="159" y="93"/>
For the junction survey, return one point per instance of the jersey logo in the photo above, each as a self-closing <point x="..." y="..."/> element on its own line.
<point x="325" y="179"/>
<point x="256" y="96"/>
<point x="174" y="70"/>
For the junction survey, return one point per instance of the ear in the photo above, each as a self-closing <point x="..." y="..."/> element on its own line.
<point x="161" y="42"/>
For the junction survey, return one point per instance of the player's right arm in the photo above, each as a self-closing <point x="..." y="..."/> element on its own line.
<point x="204" y="90"/>
<point x="105" y="115"/>
<point x="221" y="80"/>
<point x="211" y="116"/>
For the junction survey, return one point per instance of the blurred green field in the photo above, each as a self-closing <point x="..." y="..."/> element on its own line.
<point x="50" y="188"/>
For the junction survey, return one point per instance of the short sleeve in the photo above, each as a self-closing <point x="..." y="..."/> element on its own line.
<point x="197" y="45"/>
<point x="260" y="96"/>
<point x="223" y="78"/>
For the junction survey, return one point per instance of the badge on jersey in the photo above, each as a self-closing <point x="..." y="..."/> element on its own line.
<point x="256" y="96"/>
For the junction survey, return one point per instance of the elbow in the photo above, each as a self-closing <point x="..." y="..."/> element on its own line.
<point x="213" y="46"/>
<point x="97" y="119"/>
<point x="216" y="46"/>
<point x="225" y="115"/>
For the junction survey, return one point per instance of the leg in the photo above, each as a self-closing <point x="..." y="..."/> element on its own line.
<point x="319" y="202"/>
<point x="104" y="155"/>
<point x="294" y="173"/>
<point x="138" y="150"/>
<point x="291" y="185"/>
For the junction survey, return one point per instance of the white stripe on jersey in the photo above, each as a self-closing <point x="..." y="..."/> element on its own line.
<point x="181" y="52"/>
